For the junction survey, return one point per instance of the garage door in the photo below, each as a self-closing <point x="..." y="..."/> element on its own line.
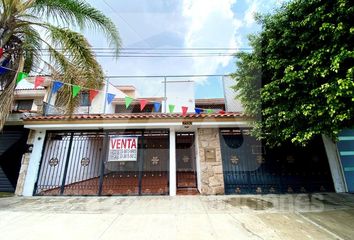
<point x="249" y="167"/>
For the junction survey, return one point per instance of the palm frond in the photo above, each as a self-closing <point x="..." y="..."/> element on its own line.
<point x="31" y="46"/>
<point x="78" y="13"/>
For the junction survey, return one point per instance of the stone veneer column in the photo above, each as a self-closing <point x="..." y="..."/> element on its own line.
<point x="212" y="179"/>
<point x="24" y="165"/>
<point x="30" y="164"/>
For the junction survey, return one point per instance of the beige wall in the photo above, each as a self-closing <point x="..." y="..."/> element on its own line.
<point x="212" y="180"/>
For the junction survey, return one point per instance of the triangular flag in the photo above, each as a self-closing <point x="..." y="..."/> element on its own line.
<point x="76" y="90"/>
<point x="157" y="106"/>
<point x="171" y="107"/>
<point x="20" y="76"/>
<point x="128" y="101"/>
<point x="1" y="52"/>
<point x="92" y="95"/>
<point x="143" y="103"/>
<point x="184" y="110"/>
<point x="3" y="70"/>
<point x="3" y="67"/>
<point x="198" y="110"/>
<point x="209" y="111"/>
<point x="222" y="112"/>
<point x="38" y="81"/>
<point x="110" y="97"/>
<point x="56" y="86"/>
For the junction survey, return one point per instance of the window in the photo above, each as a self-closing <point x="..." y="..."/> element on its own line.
<point x="85" y="99"/>
<point x="23" y="105"/>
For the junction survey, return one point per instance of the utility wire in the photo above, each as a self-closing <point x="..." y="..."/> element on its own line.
<point x="126" y="22"/>
<point x="170" y="49"/>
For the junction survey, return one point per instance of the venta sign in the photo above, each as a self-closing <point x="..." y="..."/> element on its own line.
<point x="123" y="149"/>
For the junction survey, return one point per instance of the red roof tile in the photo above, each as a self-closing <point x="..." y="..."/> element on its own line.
<point x="122" y="116"/>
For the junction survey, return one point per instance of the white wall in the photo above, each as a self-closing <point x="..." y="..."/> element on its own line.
<point x="34" y="162"/>
<point x="180" y="94"/>
<point x="335" y="165"/>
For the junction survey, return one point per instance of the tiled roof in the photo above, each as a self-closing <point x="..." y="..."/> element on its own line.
<point x="124" y="116"/>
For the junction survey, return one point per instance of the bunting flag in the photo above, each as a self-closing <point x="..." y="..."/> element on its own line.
<point x="157" y="106"/>
<point x="171" y="107"/>
<point x="21" y="76"/>
<point x="38" y="81"/>
<point x="92" y="95"/>
<point x="143" y="103"/>
<point x="128" y="101"/>
<point x="198" y="110"/>
<point x="184" y="110"/>
<point x="3" y="70"/>
<point x="56" y="86"/>
<point x="1" y="52"/>
<point x="3" y="67"/>
<point x="76" y="90"/>
<point x="110" y="97"/>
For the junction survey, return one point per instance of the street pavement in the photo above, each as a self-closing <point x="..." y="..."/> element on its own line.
<point x="290" y="216"/>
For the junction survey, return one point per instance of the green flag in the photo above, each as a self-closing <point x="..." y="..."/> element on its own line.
<point x="209" y="111"/>
<point x="76" y="90"/>
<point x="20" y="76"/>
<point x="128" y="101"/>
<point x="171" y="107"/>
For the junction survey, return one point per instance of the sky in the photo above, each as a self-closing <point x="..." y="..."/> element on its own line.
<point x="179" y="24"/>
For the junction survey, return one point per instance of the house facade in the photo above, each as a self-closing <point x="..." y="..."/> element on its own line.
<point x="111" y="149"/>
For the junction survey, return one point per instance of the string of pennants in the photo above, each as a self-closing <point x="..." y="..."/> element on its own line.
<point x="57" y="85"/>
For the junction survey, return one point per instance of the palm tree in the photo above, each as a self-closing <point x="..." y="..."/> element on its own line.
<point x="35" y="35"/>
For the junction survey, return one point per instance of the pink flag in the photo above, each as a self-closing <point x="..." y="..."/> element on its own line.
<point x="92" y="95"/>
<point x="38" y="81"/>
<point x="143" y="103"/>
<point x="184" y="111"/>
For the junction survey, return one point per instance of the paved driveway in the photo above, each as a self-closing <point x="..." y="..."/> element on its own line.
<point x="327" y="216"/>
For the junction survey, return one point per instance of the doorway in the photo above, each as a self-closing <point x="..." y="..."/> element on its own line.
<point x="186" y="164"/>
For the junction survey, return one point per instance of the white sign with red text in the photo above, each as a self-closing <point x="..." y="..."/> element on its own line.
<point x="123" y="149"/>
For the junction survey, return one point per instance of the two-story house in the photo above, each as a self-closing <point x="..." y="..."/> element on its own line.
<point x="144" y="148"/>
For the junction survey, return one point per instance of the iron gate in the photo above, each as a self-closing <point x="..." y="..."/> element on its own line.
<point x="249" y="167"/>
<point x="75" y="163"/>
<point x="185" y="161"/>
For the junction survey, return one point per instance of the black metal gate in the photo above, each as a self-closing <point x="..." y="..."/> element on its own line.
<point x="251" y="168"/>
<point x="185" y="161"/>
<point x="75" y="163"/>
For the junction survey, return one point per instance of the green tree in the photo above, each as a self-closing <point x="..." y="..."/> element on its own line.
<point x="37" y="35"/>
<point x="298" y="81"/>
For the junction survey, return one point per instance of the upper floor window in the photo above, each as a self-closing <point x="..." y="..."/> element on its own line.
<point x="85" y="99"/>
<point x="23" y="105"/>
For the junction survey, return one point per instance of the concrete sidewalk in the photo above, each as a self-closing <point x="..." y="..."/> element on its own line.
<point x="319" y="216"/>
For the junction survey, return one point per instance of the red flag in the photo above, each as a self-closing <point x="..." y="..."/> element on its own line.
<point x="222" y="112"/>
<point x="92" y="94"/>
<point x="184" y="111"/>
<point x="38" y="81"/>
<point x="143" y="103"/>
<point x="1" y="52"/>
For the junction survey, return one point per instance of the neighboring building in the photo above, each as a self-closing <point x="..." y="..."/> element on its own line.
<point x="107" y="149"/>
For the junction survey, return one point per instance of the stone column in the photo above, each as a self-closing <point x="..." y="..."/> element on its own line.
<point x="24" y="165"/>
<point x="212" y="179"/>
